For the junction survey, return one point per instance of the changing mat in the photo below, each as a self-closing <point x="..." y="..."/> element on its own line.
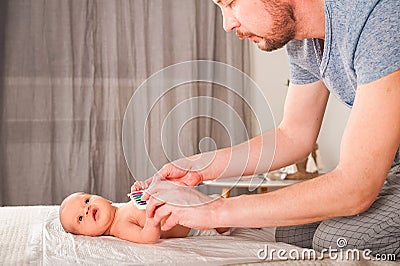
<point x="33" y="235"/>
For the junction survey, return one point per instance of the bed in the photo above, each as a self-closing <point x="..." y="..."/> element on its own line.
<point x="33" y="235"/>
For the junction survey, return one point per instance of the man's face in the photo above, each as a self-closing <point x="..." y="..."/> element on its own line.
<point x="268" y="23"/>
<point x="86" y="214"/>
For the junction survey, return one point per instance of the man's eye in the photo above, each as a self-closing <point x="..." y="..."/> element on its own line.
<point x="229" y="3"/>
<point x="80" y="218"/>
<point x="87" y="201"/>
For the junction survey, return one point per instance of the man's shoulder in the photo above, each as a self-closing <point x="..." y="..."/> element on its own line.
<point x="349" y="13"/>
<point x="352" y="12"/>
<point x="352" y="5"/>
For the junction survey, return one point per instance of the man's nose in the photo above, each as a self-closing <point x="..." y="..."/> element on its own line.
<point x="230" y="21"/>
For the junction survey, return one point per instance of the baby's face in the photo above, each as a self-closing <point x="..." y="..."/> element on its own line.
<point x="86" y="214"/>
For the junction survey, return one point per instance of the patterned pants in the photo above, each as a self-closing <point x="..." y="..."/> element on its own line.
<point x="377" y="229"/>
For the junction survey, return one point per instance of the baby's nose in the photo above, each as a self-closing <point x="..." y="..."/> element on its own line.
<point x="87" y="210"/>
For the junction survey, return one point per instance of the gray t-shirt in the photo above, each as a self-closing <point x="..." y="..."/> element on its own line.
<point x="362" y="44"/>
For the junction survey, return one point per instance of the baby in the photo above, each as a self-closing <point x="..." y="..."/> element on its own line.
<point x="92" y="215"/>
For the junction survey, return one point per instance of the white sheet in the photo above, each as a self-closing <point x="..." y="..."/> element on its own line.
<point x="33" y="235"/>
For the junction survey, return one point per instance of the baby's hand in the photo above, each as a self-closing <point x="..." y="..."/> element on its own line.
<point x="139" y="185"/>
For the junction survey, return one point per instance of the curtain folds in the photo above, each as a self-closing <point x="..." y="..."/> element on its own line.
<point x="67" y="72"/>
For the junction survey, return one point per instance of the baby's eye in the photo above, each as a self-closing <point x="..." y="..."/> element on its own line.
<point x="80" y="218"/>
<point x="87" y="201"/>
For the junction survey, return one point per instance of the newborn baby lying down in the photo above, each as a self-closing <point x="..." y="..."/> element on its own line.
<point x="92" y="215"/>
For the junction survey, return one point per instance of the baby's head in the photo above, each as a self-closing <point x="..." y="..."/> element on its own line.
<point x="85" y="214"/>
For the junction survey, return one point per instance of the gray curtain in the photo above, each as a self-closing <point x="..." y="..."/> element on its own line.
<point x="67" y="71"/>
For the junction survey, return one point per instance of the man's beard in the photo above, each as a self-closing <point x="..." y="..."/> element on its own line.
<point x="283" y="28"/>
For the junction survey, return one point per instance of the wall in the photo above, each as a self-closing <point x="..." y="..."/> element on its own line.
<point x="271" y="72"/>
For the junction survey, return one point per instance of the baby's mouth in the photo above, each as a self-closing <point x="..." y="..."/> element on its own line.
<point x="94" y="214"/>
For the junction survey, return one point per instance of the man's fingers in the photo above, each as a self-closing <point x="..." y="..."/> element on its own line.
<point x="147" y="182"/>
<point x="157" y="177"/>
<point x="169" y="224"/>
<point x="164" y="212"/>
<point x="151" y="185"/>
<point x="146" y="196"/>
<point x="152" y="205"/>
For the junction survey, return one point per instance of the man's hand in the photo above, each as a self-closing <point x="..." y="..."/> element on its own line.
<point x="177" y="204"/>
<point x="181" y="172"/>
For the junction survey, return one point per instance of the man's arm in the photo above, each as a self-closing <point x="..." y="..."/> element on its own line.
<point x="368" y="147"/>
<point x="369" y="143"/>
<point x="290" y="142"/>
<point x="295" y="137"/>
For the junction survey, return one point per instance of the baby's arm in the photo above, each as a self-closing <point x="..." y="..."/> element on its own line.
<point x="131" y="231"/>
